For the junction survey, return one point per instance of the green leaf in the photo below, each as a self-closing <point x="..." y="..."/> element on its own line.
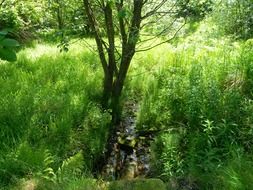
<point x="7" y="42"/>
<point x="1" y="38"/>
<point x="122" y="13"/>
<point x="7" y="54"/>
<point x="110" y="3"/>
<point x="3" y="32"/>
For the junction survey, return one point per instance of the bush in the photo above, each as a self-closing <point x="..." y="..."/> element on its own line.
<point x="201" y="105"/>
<point x="235" y="18"/>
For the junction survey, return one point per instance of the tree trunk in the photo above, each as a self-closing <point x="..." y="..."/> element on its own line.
<point x="128" y="51"/>
<point x="59" y="15"/>
<point x="107" y="90"/>
<point x="109" y="75"/>
<point x="114" y="79"/>
<point x="118" y="86"/>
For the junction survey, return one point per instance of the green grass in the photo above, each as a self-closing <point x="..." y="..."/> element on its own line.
<point x="139" y="184"/>
<point x="197" y="93"/>
<point x="200" y="94"/>
<point x="50" y="102"/>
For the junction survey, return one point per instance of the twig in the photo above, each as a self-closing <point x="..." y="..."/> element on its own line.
<point x="166" y="41"/>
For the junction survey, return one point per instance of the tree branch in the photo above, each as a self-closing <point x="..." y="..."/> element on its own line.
<point x="166" y="41"/>
<point x="156" y="8"/>
<point x="110" y="35"/>
<point x="129" y="47"/>
<point x="160" y="33"/>
<point x="121" y="23"/>
<point x="94" y="26"/>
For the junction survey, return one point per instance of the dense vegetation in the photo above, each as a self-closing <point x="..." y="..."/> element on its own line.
<point x="194" y="93"/>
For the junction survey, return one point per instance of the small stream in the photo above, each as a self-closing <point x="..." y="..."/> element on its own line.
<point x="130" y="155"/>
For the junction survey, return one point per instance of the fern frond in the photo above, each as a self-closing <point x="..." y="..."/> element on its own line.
<point x="71" y="167"/>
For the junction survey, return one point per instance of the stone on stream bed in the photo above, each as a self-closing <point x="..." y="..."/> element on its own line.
<point x="129" y="156"/>
<point x="137" y="184"/>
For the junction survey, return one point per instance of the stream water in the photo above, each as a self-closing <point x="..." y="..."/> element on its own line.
<point x="130" y="155"/>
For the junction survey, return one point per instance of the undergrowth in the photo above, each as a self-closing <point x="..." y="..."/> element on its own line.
<point x="50" y="111"/>
<point x="200" y="104"/>
<point x="195" y="95"/>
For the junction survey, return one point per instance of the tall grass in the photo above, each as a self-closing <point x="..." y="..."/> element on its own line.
<point x="201" y="96"/>
<point x="50" y="101"/>
<point x="196" y="95"/>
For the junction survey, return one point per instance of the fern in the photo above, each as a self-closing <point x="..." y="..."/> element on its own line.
<point x="70" y="168"/>
<point x="48" y="173"/>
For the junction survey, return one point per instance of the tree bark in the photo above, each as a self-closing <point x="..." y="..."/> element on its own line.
<point x="107" y="90"/>
<point x="108" y="83"/>
<point x="108" y="76"/>
<point x="59" y="15"/>
<point x="128" y="51"/>
<point x="113" y="80"/>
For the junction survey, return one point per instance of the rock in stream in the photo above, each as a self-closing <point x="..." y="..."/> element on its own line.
<point x="130" y="155"/>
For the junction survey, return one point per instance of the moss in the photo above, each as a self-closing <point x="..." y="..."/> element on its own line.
<point x="139" y="184"/>
<point x="87" y="184"/>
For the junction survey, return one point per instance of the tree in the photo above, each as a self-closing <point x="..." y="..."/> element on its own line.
<point x="122" y="28"/>
<point x="132" y="17"/>
<point x="23" y="18"/>
<point x="235" y="18"/>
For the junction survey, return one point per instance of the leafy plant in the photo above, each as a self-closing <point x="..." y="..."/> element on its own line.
<point x="235" y="18"/>
<point x="7" y="46"/>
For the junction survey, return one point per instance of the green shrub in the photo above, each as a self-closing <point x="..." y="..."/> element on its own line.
<point x="235" y="18"/>
<point x="202" y="98"/>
